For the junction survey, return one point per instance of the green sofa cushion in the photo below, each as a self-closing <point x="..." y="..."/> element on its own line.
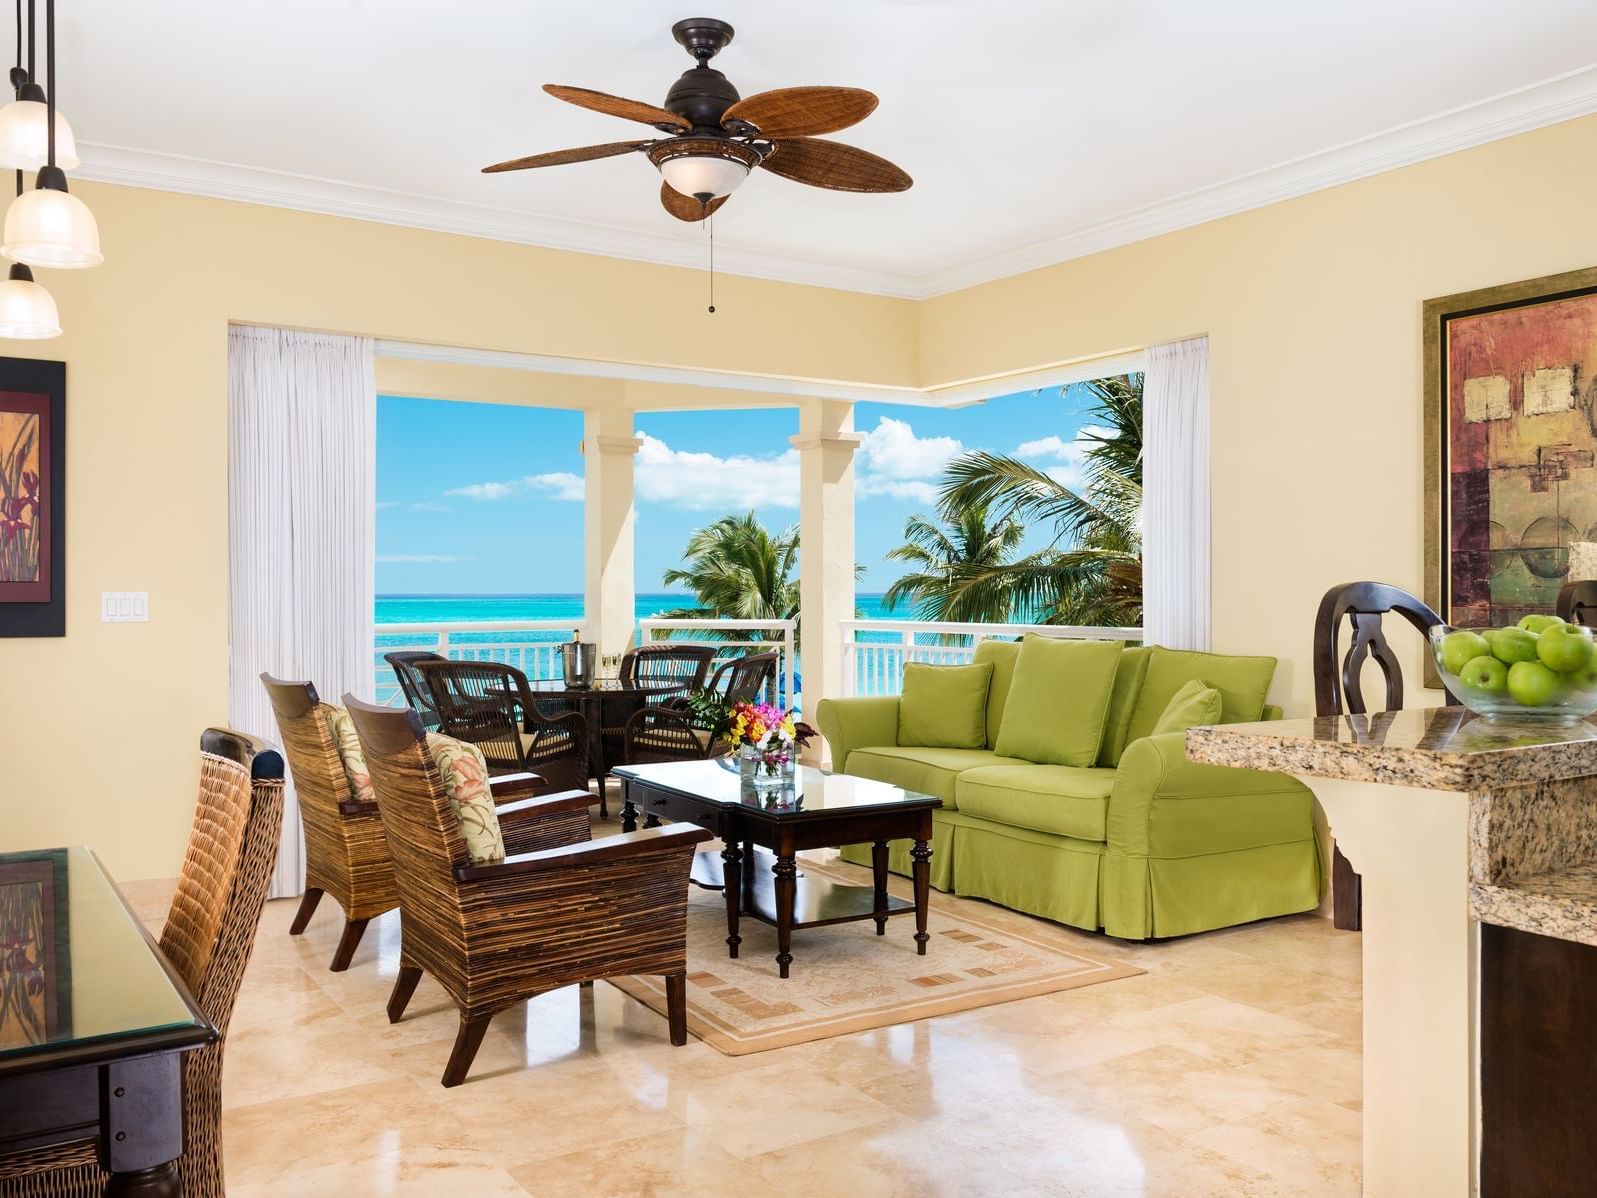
<point x="1001" y="655"/>
<point x="926" y="770"/>
<point x="1242" y="682"/>
<point x="1056" y="706"/>
<point x="1133" y="668"/>
<point x="944" y="706"/>
<point x="1193" y="706"/>
<point x="1061" y="799"/>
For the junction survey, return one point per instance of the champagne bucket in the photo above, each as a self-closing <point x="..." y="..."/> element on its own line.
<point x="576" y="663"/>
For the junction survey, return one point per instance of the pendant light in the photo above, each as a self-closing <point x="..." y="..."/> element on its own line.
<point x="48" y="226"/>
<point x="27" y="310"/>
<point x="24" y="144"/>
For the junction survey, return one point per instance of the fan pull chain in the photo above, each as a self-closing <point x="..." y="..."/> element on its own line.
<point x="710" y="221"/>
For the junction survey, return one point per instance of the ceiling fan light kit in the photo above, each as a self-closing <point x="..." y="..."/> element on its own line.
<point x="715" y="138"/>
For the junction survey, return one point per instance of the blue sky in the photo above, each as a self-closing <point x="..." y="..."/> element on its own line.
<point x="486" y="498"/>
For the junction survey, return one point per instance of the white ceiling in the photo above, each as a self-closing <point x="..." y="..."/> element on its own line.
<point x="1034" y="129"/>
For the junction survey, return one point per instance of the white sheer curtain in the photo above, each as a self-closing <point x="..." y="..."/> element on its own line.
<point x="302" y="441"/>
<point x="1175" y="495"/>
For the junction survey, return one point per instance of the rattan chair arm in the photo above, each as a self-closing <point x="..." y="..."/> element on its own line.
<point x="536" y="805"/>
<point x="595" y="852"/>
<point x="659" y="715"/>
<point x="507" y="788"/>
<point x="349" y="808"/>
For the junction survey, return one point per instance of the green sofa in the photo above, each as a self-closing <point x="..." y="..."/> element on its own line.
<point x="1143" y="844"/>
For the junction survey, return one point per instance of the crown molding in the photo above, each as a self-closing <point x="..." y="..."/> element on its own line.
<point x="1549" y="102"/>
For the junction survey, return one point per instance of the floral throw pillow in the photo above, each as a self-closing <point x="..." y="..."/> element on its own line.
<point x="351" y="754"/>
<point x="465" y="776"/>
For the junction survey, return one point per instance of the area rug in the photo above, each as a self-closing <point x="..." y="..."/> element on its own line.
<point x="845" y="978"/>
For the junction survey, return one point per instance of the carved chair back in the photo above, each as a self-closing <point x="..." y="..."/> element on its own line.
<point x="1363" y="605"/>
<point x="1577" y="603"/>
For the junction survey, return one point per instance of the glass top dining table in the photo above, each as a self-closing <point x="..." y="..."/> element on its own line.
<point x="78" y="971"/>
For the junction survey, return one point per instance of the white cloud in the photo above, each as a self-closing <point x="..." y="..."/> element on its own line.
<point x="486" y="491"/>
<point x="913" y="490"/>
<point x="559" y="485"/>
<point x="418" y="558"/>
<point x="1069" y="457"/>
<point x="562" y="485"/>
<point x="708" y="482"/>
<point x="384" y="504"/>
<point x="430" y="506"/>
<point x="892" y="451"/>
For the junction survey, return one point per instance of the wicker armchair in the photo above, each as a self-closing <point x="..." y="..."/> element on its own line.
<point x="210" y="930"/>
<point x="345" y="853"/>
<point x="418" y="695"/>
<point x="494" y="935"/>
<point x="492" y="706"/>
<point x="664" y="733"/>
<point x="671" y="669"/>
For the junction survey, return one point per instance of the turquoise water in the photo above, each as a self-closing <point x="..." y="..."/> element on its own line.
<point x="456" y="609"/>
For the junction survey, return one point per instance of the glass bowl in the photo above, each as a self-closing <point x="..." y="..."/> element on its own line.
<point x="1544" y="673"/>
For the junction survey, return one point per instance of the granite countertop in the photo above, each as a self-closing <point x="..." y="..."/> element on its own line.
<point x="1438" y="748"/>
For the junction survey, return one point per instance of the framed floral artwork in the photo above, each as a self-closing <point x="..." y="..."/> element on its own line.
<point x="35" y="955"/>
<point x="32" y="495"/>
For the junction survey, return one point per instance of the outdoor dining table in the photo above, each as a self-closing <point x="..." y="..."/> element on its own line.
<point x="94" y="1023"/>
<point x="612" y="697"/>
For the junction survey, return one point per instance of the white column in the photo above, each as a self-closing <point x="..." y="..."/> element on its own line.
<point x="826" y="445"/>
<point x="610" y="600"/>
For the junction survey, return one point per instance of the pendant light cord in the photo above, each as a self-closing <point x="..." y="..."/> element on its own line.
<point x="710" y="221"/>
<point x="30" y="35"/>
<point x="49" y="66"/>
<point x="17" y="81"/>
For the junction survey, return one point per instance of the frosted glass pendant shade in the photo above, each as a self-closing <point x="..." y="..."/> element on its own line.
<point x="704" y="176"/>
<point x="23" y="144"/>
<point x="50" y="227"/>
<point x="27" y="310"/>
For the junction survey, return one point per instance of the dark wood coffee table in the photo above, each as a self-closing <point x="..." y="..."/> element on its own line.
<point x="822" y="810"/>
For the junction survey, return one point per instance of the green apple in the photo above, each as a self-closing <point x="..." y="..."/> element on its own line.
<point x="1485" y="675"/>
<point x="1532" y="684"/>
<point x="1513" y="645"/>
<point x="1459" y="647"/>
<point x="1538" y="623"/>
<point x="1565" y="647"/>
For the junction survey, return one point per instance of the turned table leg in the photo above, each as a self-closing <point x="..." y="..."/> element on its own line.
<point x="921" y="856"/>
<point x="732" y="890"/>
<point x="786" y="872"/>
<point x="879" y="877"/>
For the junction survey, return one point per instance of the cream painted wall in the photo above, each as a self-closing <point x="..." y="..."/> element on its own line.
<point x="101" y="727"/>
<point x="1312" y="307"/>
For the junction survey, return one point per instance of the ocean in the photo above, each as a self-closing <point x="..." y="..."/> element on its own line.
<point x="456" y="609"/>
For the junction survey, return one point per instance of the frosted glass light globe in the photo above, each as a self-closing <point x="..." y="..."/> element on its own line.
<point x="704" y="176"/>
<point x="23" y="144"/>
<point x="27" y="310"/>
<point x="46" y="227"/>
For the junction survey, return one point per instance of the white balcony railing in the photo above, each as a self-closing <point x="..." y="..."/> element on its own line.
<point x="875" y="651"/>
<point x="733" y="638"/>
<point x="532" y="646"/>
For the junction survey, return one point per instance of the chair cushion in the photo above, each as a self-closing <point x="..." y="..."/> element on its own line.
<point x="1058" y="701"/>
<point x="1242" y="682"/>
<point x="351" y="754"/>
<point x="927" y="771"/>
<point x="1193" y="706"/>
<point x="1063" y="800"/>
<point x="1001" y="655"/>
<point x="1133" y="668"/>
<point x="944" y="706"/>
<point x="465" y="773"/>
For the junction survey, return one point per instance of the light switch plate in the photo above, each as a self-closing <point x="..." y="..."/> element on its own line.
<point x="124" y="607"/>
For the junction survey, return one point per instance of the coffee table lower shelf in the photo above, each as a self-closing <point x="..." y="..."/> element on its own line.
<point x="816" y="901"/>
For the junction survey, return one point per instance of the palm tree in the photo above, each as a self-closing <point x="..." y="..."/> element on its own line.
<point x="942" y="558"/>
<point x="738" y="570"/>
<point x="1091" y="570"/>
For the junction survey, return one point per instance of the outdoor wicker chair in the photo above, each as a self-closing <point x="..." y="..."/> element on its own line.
<point x="210" y="930"/>
<point x="661" y="733"/>
<point x="345" y="853"/>
<point x="495" y="934"/>
<point x="418" y="696"/>
<point x="670" y="669"/>
<point x="492" y="706"/>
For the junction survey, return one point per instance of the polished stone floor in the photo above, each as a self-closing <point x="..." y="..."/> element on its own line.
<point x="1230" y="1068"/>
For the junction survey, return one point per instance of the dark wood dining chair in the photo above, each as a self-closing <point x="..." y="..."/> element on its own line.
<point x="676" y="668"/>
<point x="495" y="934"/>
<point x="1338" y="690"/>
<point x="346" y="855"/>
<point x="1577" y="603"/>
<point x="664" y="733"/>
<point x="209" y="933"/>
<point x="418" y="696"/>
<point x="492" y="706"/>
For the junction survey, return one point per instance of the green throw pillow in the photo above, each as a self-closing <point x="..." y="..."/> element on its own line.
<point x="944" y="707"/>
<point x="1059" y="700"/>
<point x="1242" y="682"/>
<point x="1193" y="706"/>
<point x="1002" y="655"/>
<point x="1122" y="702"/>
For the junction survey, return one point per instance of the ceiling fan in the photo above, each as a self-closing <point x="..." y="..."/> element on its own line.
<point x="717" y="137"/>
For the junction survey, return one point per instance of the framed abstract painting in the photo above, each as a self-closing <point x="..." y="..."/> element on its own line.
<point x="32" y="497"/>
<point x="1510" y="445"/>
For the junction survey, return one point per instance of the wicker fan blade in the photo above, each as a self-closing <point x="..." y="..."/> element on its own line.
<point x="803" y="111"/>
<point x="686" y="207"/>
<point x="833" y="165"/>
<point x="632" y="110"/>
<point x="561" y="157"/>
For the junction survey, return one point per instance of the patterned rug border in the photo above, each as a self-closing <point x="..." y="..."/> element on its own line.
<point x="731" y="1041"/>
